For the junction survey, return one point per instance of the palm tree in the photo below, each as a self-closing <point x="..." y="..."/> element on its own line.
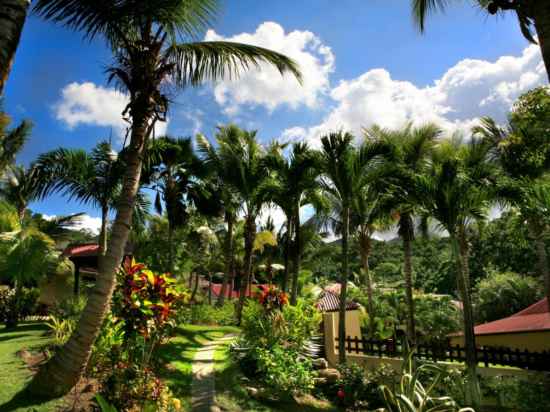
<point x="153" y="53"/>
<point x="93" y="179"/>
<point x="12" y="19"/>
<point x="18" y="188"/>
<point x="457" y="191"/>
<point x="229" y="202"/>
<point x="176" y="177"/>
<point x="294" y="185"/>
<point x="411" y="151"/>
<point x="11" y="140"/>
<point x="529" y="13"/>
<point x="345" y="171"/>
<point x="247" y="174"/>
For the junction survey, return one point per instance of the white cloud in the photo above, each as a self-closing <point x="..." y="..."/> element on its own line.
<point x="468" y="90"/>
<point x="266" y="87"/>
<point x="85" y="222"/>
<point x="92" y="105"/>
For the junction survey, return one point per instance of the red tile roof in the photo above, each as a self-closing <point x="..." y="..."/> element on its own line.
<point x="91" y="249"/>
<point x="532" y="319"/>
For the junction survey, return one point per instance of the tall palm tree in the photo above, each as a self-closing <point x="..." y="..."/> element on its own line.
<point x="411" y="151"/>
<point x="13" y="14"/>
<point x="294" y="185"/>
<point x="457" y="191"/>
<point x="345" y="171"/>
<point x="229" y="202"/>
<point x="530" y="13"/>
<point x="93" y="178"/>
<point x="11" y="140"/>
<point x="247" y="174"/>
<point x="154" y="53"/>
<point x="177" y="176"/>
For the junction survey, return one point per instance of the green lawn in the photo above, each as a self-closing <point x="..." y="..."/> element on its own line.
<point x="14" y="374"/>
<point x="231" y="395"/>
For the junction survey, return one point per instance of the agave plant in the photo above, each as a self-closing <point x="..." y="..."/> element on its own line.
<point x="412" y="396"/>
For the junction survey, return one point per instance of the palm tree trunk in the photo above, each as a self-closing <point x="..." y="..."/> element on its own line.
<point x="250" y="233"/>
<point x="473" y="394"/>
<point x="542" y="256"/>
<point x="64" y="370"/>
<point x="13" y="14"/>
<point x="170" y="248"/>
<point x="407" y="231"/>
<point x="343" y="288"/>
<point x="196" y="287"/>
<point x="365" y="248"/>
<point x="297" y="257"/>
<point x="228" y="257"/>
<point x="541" y="15"/>
<point x="287" y="253"/>
<point x="103" y="231"/>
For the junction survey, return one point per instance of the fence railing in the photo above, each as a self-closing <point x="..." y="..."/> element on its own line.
<point x="487" y="355"/>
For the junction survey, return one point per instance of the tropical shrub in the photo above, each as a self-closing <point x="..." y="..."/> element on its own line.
<point x="60" y="330"/>
<point x="17" y="304"/>
<point x="143" y="316"/>
<point x="274" y="334"/>
<point x="502" y="294"/>
<point x="521" y="394"/>
<point x="412" y="396"/>
<point x="70" y="308"/>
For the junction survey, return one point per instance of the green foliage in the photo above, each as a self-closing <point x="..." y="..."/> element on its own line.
<point x="17" y="304"/>
<point x="60" y="330"/>
<point x="70" y="308"/>
<point x="412" y="396"/>
<point x="357" y="387"/>
<point x="205" y="314"/>
<point x="521" y="394"/>
<point x="502" y="294"/>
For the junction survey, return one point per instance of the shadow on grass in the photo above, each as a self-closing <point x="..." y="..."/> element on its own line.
<point x="25" y="327"/>
<point x="23" y="400"/>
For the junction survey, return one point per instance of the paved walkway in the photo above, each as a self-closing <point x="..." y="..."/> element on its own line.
<point x="203" y="389"/>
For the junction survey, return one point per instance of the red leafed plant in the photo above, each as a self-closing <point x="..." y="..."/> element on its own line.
<point x="272" y="298"/>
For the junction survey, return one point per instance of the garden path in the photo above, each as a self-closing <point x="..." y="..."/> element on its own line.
<point x="203" y="389"/>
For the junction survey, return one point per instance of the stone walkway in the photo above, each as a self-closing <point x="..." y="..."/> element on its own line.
<point x="203" y="389"/>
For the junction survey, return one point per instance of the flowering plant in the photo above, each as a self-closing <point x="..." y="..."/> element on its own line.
<point x="272" y="298"/>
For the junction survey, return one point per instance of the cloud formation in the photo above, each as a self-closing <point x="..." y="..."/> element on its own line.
<point x="92" y="105"/>
<point x="266" y="87"/>
<point x="470" y="89"/>
<point x="85" y="222"/>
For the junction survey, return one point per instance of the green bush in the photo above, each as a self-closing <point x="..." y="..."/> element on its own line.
<point x="70" y="308"/>
<point x="520" y="394"/>
<point x="17" y="304"/>
<point x="205" y="314"/>
<point x="503" y="294"/>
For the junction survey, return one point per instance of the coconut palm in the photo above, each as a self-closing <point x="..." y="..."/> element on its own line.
<point x="154" y="53"/>
<point x="229" y="202"/>
<point x="456" y="191"/>
<point x="92" y="179"/>
<point x="12" y="19"/>
<point x="176" y="177"/>
<point x="247" y="174"/>
<point x="345" y="171"/>
<point x="11" y="140"/>
<point x="411" y="151"/>
<point x="530" y="14"/>
<point x="294" y="185"/>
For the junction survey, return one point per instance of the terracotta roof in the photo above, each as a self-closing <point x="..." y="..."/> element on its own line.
<point x="330" y="302"/>
<point x="81" y="250"/>
<point x="532" y="319"/>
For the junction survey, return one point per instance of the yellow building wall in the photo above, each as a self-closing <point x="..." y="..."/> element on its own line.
<point x="532" y="341"/>
<point x="331" y="322"/>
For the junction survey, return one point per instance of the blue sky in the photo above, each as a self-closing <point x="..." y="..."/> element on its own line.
<point x="364" y="62"/>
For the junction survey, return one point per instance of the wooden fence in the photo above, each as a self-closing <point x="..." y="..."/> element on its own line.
<point x="539" y="361"/>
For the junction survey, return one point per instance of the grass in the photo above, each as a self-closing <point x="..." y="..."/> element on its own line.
<point x="231" y="394"/>
<point x="14" y="373"/>
<point x="179" y="352"/>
